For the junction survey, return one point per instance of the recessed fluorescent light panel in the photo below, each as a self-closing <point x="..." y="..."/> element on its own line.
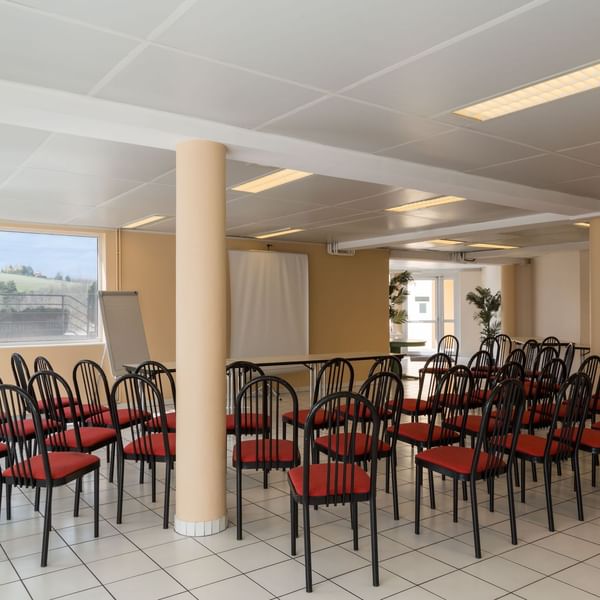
<point x="421" y="204"/>
<point x="272" y="234"/>
<point x="144" y="221"/>
<point x="492" y="246"/>
<point x="270" y="181"/>
<point x="445" y="242"/>
<point x="562" y="86"/>
<point x="581" y="224"/>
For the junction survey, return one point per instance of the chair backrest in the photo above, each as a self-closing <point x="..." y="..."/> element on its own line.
<point x="238" y="374"/>
<point x="573" y="401"/>
<point x="260" y="401"/>
<point x="530" y="348"/>
<point x="386" y="364"/>
<point x="91" y="387"/>
<point x="550" y="340"/>
<point x="504" y="348"/>
<point x="510" y="370"/>
<point x="41" y="363"/>
<point x="591" y="367"/>
<point x="48" y="388"/>
<point x="449" y="345"/>
<point x="160" y="376"/>
<point x="544" y="356"/>
<point x="336" y="375"/>
<point x="451" y="402"/>
<point x="491" y="346"/>
<point x="14" y="406"/>
<point x="384" y="390"/>
<point x="508" y="402"/>
<point x="517" y="355"/>
<point x="20" y="370"/>
<point x="139" y="396"/>
<point x="344" y="444"/>
<point x="569" y="356"/>
<point x="480" y="365"/>
<point x="433" y="369"/>
<point x="547" y="386"/>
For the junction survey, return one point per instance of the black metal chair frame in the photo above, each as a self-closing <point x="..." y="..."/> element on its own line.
<point x="449" y="345"/>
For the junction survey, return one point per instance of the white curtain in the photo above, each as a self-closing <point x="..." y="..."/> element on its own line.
<point x="269" y="303"/>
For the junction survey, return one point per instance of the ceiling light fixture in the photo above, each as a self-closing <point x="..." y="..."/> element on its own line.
<point x="582" y="224"/>
<point x="421" y="204"/>
<point x="562" y="86"/>
<point x="445" y="242"/>
<point x="277" y="233"/>
<point x="270" y="181"/>
<point x="493" y="246"/>
<point x="144" y="221"/>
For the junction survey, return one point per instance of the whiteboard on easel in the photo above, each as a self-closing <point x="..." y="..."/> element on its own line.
<point x="123" y="329"/>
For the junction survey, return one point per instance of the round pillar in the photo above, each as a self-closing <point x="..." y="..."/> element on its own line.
<point x="595" y="285"/>
<point x="201" y="304"/>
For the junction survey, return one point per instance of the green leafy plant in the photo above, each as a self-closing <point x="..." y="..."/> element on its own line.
<point x="488" y="306"/>
<point x="398" y="293"/>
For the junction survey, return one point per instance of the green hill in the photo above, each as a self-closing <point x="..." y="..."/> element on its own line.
<point x="38" y="285"/>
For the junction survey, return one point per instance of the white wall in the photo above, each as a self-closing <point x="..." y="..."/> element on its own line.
<point x="557" y="298"/>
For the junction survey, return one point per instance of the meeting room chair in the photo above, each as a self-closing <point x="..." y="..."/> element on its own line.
<point x="264" y="449"/>
<point x="485" y="461"/>
<point x="517" y="356"/>
<point x="138" y="394"/>
<point x="481" y="367"/>
<point x="591" y="367"/>
<point x="238" y="374"/>
<point x="504" y="349"/>
<point x="531" y="349"/>
<point x="162" y="378"/>
<point x="449" y="345"/>
<point x="492" y="347"/>
<point x="35" y="466"/>
<point x="386" y="364"/>
<point x="339" y="479"/>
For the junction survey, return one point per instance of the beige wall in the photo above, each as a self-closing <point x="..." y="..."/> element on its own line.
<point x="470" y="334"/>
<point x="348" y="298"/>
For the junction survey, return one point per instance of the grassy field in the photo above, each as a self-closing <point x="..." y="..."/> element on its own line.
<point x="37" y="285"/>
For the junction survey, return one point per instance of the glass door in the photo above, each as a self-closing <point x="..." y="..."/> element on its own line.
<point x="431" y="309"/>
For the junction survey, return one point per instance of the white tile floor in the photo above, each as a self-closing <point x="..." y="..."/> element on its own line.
<point x="140" y="560"/>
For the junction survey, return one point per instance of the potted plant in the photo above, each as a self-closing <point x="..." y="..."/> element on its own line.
<point x="398" y="294"/>
<point x="488" y="306"/>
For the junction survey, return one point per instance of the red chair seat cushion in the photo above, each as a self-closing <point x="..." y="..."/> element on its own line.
<point x="415" y="406"/>
<point x="64" y="401"/>
<point x="355" y="480"/>
<point x="124" y="416"/>
<point x="590" y="438"/>
<point x="155" y="422"/>
<point x="62" y="465"/>
<point x="481" y="395"/>
<point x="249" y="422"/>
<point x="25" y="428"/>
<point x="151" y="444"/>
<point x="340" y="444"/>
<point x="91" y="437"/>
<point x="3" y="449"/>
<point x="418" y="433"/>
<point x="531" y="445"/>
<point x="596" y="425"/>
<point x="454" y="459"/>
<point x="275" y="451"/>
<point x="473" y="424"/>
<point x="363" y="412"/>
<point x="88" y="411"/>
<point x="321" y="418"/>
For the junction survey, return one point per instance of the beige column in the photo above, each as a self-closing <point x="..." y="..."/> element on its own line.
<point x="201" y="338"/>
<point x="595" y="285"/>
<point x="509" y="300"/>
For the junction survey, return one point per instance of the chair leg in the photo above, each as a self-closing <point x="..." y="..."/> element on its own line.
<point x="108" y="454"/>
<point x="578" y="488"/>
<point x="455" y="500"/>
<point x="511" y="507"/>
<point x="36" y="502"/>
<point x="418" y="484"/>
<point x="265" y="479"/>
<point x="475" y="515"/>
<point x="97" y="501"/>
<point x="431" y="490"/>
<point x="533" y="472"/>
<point x="548" y="486"/>
<point x="47" y="525"/>
<point x="77" y="497"/>
<point x="120" y="482"/>
<point x="594" y="466"/>
<point x="395" y="487"/>
<point x="374" y="549"/>
<point x="491" y="492"/>
<point x="307" y="557"/>
<point x="293" y="524"/>
<point x="168" y="469"/>
<point x="8" y="502"/>
<point x="464" y="491"/>
<point x="522" y="480"/>
<point x="142" y="465"/>
<point x="111" y="471"/>
<point x="354" y="521"/>
<point x="283" y="430"/>
<point x="516" y="469"/>
<point x="387" y="474"/>
<point x="238" y="501"/>
<point x="153" y="469"/>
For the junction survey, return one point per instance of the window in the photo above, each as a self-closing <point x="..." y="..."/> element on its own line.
<point x="48" y="287"/>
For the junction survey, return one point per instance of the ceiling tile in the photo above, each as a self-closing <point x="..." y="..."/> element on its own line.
<point x="388" y="200"/>
<point x="164" y="226"/>
<point x="17" y="144"/>
<point x="325" y="44"/>
<point x="134" y="17"/>
<point x="167" y="179"/>
<point x="176" y="82"/>
<point x="38" y="210"/>
<point x="590" y="186"/>
<point x="589" y="153"/>
<point x="237" y="172"/>
<point x="461" y="150"/>
<point x="548" y="39"/>
<point x="103" y="158"/>
<point x="49" y="187"/>
<point x="313" y="218"/>
<point x="341" y="122"/>
<point x="45" y="51"/>
<point x="256" y="208"/>
<point x="540" y="171"/>
<point x="149" y="199"/>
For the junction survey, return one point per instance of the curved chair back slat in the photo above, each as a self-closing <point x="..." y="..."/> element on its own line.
<point x="20" y="370"/>
<point x="335" y="375"/>
<point x="449" y="345"/>
<point x="386" y="364"/>
<point x="91" y="388"/>
<point x="504" y="348"/>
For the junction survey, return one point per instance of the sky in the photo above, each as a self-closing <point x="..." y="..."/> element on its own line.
<point x="76" y="256"/>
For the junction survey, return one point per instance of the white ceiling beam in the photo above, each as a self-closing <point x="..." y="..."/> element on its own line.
<point x="525" y="252"/>
<point x="514" y="224"/>
<point x="74" y="114"/>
